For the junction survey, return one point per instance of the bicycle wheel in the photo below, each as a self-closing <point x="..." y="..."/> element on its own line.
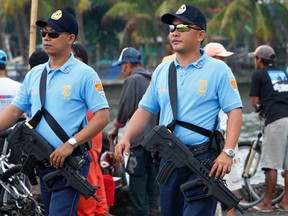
<point x="246" y="191"/>
<point x="254" y="177"/>
<point x="15" y="197"/>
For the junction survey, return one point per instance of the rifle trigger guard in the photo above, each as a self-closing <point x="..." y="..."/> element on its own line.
<point x="189" y="185"/>
<point x="51" y="177"/>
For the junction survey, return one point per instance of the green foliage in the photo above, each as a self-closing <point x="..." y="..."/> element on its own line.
<point x="122" y="10"/>
<point x="112" y="24"/>
<point x="240" y="13"/>
<point x="101" y="35"/>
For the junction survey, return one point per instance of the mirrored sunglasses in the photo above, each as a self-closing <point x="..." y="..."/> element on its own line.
<point x="181" y="27"/>
<point x="52" y="34"/>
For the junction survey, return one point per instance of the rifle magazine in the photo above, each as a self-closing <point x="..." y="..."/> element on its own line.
<point x="165" y="172"/>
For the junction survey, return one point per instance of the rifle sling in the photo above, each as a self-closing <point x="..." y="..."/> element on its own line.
<point x="172" y="82"/>
<point x="54" y="125"/>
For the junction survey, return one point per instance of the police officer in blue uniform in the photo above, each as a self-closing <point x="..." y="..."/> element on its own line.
<point x="204" y="86"/>
<point x="72" y="88"/>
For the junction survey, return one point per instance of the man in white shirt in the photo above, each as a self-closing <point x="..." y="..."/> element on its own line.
<point x="8" y="90"/>
<point x="8" y="87"/>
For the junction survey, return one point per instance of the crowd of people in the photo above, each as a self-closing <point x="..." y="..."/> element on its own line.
<point x="206" y="91"/>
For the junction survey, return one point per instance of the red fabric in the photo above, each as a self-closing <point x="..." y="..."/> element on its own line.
<point x="91" y="207"/>
<point x="109" y="189"/>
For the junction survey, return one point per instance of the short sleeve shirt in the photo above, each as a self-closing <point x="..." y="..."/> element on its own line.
<point x="70" y="91"/>
<point x="271" y="86"/>
<point x="8" y="90"/>
<point x="203" y="88"/>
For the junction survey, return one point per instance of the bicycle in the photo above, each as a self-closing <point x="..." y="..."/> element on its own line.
<point x="15" y="196"/>
<point x="253" y="176"/>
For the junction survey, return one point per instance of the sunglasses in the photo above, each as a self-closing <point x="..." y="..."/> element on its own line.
<point x="52" y="34"/>
<point x="181" y="27"/>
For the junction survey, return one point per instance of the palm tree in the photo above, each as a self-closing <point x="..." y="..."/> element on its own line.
<point x="14" y="8"/>
<point x="242" y="18"/>
<point x="142" y="24"/>
<point x="80" y="6"/>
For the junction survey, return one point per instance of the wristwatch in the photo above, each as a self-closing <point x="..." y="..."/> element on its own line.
<point x="229" y="152"/>
<point x="72" y="141"/>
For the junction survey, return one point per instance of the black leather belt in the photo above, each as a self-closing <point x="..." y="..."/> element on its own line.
<point x="200" y="149"/>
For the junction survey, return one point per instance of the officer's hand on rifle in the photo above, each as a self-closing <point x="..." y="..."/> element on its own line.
<point x="122" y="145"/>
<point x="222" y="166"/>
<point x="58" y="156"/>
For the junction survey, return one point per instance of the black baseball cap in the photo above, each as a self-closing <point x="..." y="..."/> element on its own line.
<point x="188" y="14"/>
<point x="61" y="21"/>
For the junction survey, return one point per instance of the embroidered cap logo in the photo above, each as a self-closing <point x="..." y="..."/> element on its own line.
<point x="56" y="15"/>
<point x="181" y="10"/>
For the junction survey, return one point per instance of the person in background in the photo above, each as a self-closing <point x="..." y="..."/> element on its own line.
<point x="198" y="77"/>
<point x="8" y="87"/>
<point x="217" y="51"/>
<point x="37" y="57"/>
<point x="91" y="207"/>
<point x="72" y="88"/>
<point x="269" y="93"/>
<point x="143" y="189"/>
<point x="233" y="179"/>
<point x="80" y="52"/>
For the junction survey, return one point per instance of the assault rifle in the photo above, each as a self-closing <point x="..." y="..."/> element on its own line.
<point x="178" y="155"/>
<point x="38" y="150"/>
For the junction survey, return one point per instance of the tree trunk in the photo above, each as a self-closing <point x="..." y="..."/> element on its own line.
<point x="79" y="18"/>
<point x="126" y="41"/>
<point x="21" y="42"/>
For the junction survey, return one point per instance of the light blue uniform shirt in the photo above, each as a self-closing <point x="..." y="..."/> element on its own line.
<point x="203" y="88"/>
<point x="70" y="91"/>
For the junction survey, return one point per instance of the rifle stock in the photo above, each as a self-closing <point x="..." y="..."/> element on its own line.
<point x="174" y="151"/>
<point x="38" y="150"/>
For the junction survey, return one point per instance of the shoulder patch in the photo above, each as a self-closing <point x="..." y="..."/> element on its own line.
<point x="233" y="83"/>
<point x="99" y="87"/>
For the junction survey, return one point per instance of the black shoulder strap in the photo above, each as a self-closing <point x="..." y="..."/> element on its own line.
<point x="42" y="88"/>
<point x="172" y="82"/>
<point x="54" y="125"/>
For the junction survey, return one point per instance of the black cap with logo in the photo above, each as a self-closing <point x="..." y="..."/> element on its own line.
<point x="188" y="14"/>
<point x="61" y="21"/>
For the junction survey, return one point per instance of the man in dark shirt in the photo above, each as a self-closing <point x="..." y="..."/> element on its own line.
<point x="269" y="92"/>
<point x="143" y="188"/>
